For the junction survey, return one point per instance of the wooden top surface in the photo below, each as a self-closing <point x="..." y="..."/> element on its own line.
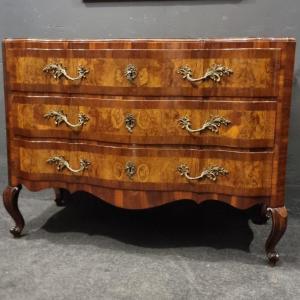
<point x="141" y="43"/>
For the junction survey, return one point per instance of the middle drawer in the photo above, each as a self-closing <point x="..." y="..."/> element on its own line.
<point x="191" y="122"/>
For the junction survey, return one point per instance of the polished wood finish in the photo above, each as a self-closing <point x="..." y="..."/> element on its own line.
<point x="250" y="173"/>
<point x="10" y="201"/>
<point x="255" y="98"/>
<point x="282" y="126"/>
<point x="156" y="121"/>
<point x="140" y="199"/>
<point x="279" y="224"/>
<point x="255" y="71"/>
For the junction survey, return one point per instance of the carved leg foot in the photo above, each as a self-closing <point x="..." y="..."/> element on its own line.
<point x="279" y="223"/>
<point x="10" y="201"/>
<point x="62" y="197"/>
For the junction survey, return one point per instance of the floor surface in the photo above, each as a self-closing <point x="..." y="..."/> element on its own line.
<point x="91" y="250"/>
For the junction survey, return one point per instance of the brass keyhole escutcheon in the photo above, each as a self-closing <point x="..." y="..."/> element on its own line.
<point x="130" y="169"/>
<point x="130" y="122"/>
<point x="130" y="72"/>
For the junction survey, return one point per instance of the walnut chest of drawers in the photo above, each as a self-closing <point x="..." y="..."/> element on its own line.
<point x="140" y="123"/>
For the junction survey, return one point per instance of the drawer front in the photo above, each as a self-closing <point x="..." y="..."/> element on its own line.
<point x="223" y="123"/>
<point x="245" y="72"/>
<point x="232" y="173"/>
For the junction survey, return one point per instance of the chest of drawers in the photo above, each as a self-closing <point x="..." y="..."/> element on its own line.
<point x="140" y="123"/>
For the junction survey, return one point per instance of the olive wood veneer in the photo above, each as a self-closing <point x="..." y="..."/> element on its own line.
<point x="141" y="123"/>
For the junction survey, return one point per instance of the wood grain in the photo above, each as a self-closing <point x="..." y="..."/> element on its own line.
<point x="249" y="173"/>
<point x="256" y="99"/>
<point x="252" y="123"/>
<point x="201" y="43"/>
<point x="255" y="71"/>
<point x="138" y="199"/>
<point x="284" y="72"/>
<point x="10" y="202"/>
<point x="282" y="125"/>
<point x="279" y="223"/>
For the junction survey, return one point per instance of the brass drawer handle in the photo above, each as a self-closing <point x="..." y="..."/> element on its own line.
<point x="59" y="117"/>
<point x="61" y="163"/>
<point x="58" y="71"/>
<point x="130" y="72"/>
<point x="212" y="124"/>
<point x="130" y="122"/>
<point x="214" y="73"/>
<point x="130" y="169"/>
<point x="210" y="173"/>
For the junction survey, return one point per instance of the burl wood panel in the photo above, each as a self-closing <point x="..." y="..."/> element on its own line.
<point x="284" y="84"/>
<point x="252" y="123"/>
<point x="256" y="99"/>
<point x="255" y="71"/>
<point x="249" y="173"/>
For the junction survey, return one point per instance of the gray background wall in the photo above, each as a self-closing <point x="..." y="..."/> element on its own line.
<point x="158" y="19"/>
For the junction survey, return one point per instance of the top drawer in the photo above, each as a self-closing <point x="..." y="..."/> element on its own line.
<point x="241" y="72"/>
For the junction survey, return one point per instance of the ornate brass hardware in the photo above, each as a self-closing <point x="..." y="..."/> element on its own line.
<point x="58" y="71"/>
<point x="215" y="73"/>
<point x="131" y="72"/>
<point x="130" y="122"/>
<point x="59" y="117"/>
<point x="61" y="163"/>
<point x="130" y="169"/>
<point x="210" y="173"/>
<point x="212" y="124"/>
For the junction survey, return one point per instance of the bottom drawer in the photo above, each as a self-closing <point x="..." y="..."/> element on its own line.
<point x="209" y="171"/>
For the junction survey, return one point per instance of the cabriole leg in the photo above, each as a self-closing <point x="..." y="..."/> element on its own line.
<point x="279" y="223"/>
<point x="62" y="196"/>
<point x="10" y="201"/>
